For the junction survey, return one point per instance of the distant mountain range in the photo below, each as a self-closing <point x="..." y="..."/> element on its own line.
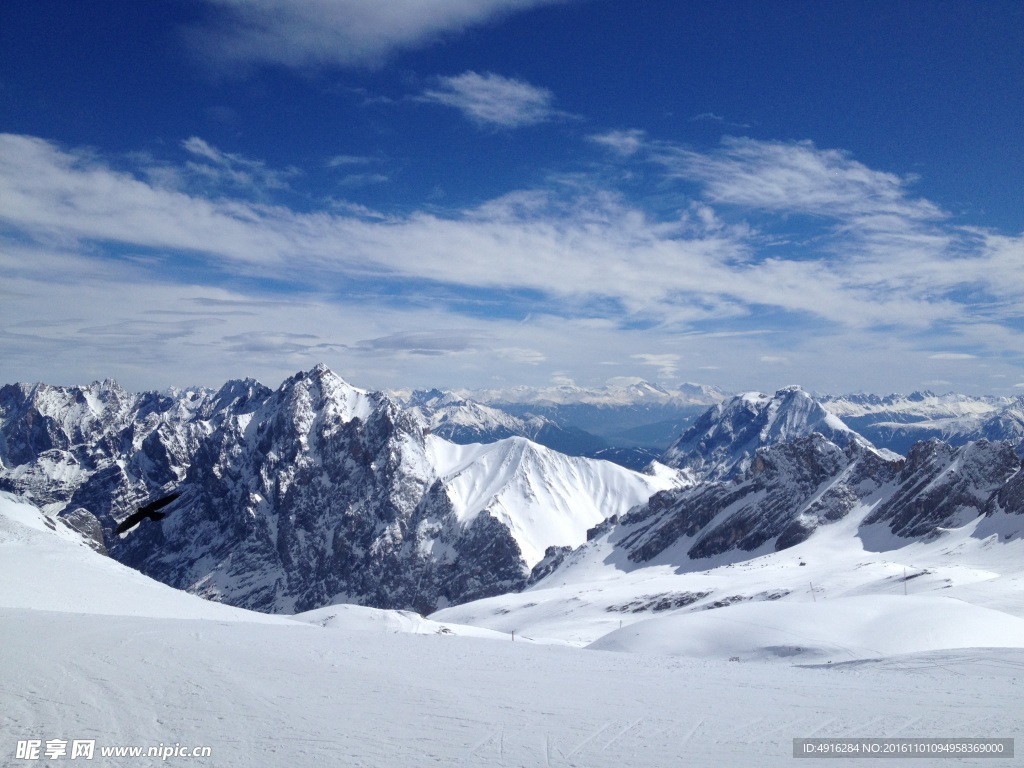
<point x="629" y="422"/>
<point x="319" y="492"/>
<point x="897" y="421"/>
<point x="636" y="421"/>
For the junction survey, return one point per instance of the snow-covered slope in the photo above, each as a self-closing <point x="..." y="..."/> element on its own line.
<point x="544" y="498"/>
<point x="598" y="590"/>
<point x="808" y="521"/>
<point x="352" y="618"/>
<point x="93" y="651"/>
<point x="46" y="566"/>
<point x="841" y="629"/>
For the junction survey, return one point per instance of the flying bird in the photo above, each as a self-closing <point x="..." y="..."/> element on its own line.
<point x="148" y="511"/>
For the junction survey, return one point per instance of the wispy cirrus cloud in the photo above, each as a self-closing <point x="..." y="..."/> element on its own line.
<point x="794" y="177"/>
<point x="345" y="161"/>
<point x="667" y="364"/>
<point x="494" y="100"/>
<point x="232" y="168"/>
<point x="309" y="34"/>
<point x="624" y="143"/>
<point x="596" y="268"/>
<point x="711" y="117"/>
<point x="595" y="247"/>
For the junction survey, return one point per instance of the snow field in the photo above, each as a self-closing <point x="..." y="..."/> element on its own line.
<point x="93" y="650"/>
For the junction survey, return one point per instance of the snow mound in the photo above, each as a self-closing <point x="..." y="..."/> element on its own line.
<point x="844" y="629"/>
<point x="361" y="618"/>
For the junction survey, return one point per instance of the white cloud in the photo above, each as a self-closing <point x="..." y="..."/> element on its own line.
<point x="494" y="100"/>
<point x="341" y="161"/>
<point x="711" y="117"/>
<point x="364" y="179"/>
<point x="316" y="33"/>
<point x="233" y="169"/>
<point x="597" y="247"/>
<point x="951" y="356"/>
<point x="625" y="143"/>
<point x="521" y="355"/>
<point x="197" y="146"/>
<point x="666" y="363"/>
<point x="796" y="177"/>
<point x="604" y="279"/>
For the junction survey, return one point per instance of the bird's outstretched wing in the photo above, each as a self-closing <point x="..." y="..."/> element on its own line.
<point x="149" y="511"/>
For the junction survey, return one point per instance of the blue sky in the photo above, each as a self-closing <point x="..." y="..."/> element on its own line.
<point x="486" y="193"/>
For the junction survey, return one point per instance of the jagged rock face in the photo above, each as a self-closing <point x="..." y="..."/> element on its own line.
<point x="42" y="419"/>
<point x="792" y="489"/>
<point x="1004" y="511"/>
<point x="86" y="524"/>
<point x="788" y="491"/>
<point x="106" y="450"/>
<point x="1009" y="499"/>
<point x="292" y="499"/>
<point x="722" y="443"/>
<point x="325" y="493"/>
<point x="945" y="487"/>
<point x="98" y="446"/>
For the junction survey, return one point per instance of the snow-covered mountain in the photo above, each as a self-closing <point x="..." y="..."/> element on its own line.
<point x="791" y="489"/>
<point x="724" y="440"/>
<point x="808" y="521"/>
<point x="627" y="413"/>
<point x="796" y="489"/>
<point x="544" y="498"/>
<point x="317" y="492"/>
<point x="625" y="391"/>
<point x="464" y="421"/>
<point x="898" y="421"/>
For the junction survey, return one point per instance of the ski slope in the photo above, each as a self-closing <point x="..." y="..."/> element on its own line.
<point x="598" y="590"/>
<point x="95" y="651"/>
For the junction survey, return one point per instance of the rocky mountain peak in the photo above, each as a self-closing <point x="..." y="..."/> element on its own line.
<point x="724" y="440"/>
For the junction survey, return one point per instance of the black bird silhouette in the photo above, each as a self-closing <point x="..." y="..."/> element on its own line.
<point x="150" y="511"/>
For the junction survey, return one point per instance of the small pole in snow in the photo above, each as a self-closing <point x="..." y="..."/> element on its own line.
<point x="513" y="635"/>
<point x="813" y="598"/>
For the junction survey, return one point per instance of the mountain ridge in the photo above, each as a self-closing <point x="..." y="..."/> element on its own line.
<point x="315" y="492"/>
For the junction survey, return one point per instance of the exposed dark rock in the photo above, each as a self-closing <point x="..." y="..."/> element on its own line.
<point x="85" y="523"/>
<point x="945" y="487"/>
